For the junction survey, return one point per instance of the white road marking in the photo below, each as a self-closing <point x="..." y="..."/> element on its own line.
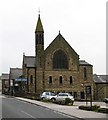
<point x="27" y="114"/>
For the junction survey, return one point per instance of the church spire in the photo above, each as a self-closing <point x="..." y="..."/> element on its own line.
<point x="39" y="26"/>
<point x="39" y="36"/>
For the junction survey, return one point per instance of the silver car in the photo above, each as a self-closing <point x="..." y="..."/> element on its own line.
<point x="61" y="97"/>
<point x="105" y="100"/>
<point x="48" y="96"/>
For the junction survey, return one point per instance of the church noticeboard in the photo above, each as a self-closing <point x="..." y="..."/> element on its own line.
<point x="88" y="90"/>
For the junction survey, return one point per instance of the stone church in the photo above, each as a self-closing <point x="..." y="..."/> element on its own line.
<point x="56" y="68"/>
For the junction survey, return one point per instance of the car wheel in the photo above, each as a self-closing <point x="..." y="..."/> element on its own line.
<point x="72" y="102"/>
<point x="53" y="99"/>
<point x="43" y="98"/>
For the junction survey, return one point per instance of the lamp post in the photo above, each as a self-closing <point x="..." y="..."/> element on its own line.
<point x="28" y="79"/>
<point x="11" y="87"/>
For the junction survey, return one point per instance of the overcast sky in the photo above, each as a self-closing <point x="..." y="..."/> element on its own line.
<point x="81" y="22"/>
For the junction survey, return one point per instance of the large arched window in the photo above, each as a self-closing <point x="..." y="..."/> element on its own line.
<point x="60" y="60"/>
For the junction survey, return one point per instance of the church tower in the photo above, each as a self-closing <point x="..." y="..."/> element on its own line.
<point x="39" y="53"/>
<point x="39" y="43"/>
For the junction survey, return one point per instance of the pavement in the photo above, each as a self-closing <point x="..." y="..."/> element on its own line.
<point x="68" y="110"/>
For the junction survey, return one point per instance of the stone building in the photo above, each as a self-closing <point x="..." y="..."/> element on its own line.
<point x="0" y="85"/>
<point x="15" y="84"/>
<point x="29" y="72"/>
<point x="5" y="83"/>
<point x="56" y="68"/>
<point x="101" y="87"/>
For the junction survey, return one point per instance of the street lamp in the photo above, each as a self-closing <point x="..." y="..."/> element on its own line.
<point x="11" y="87"/>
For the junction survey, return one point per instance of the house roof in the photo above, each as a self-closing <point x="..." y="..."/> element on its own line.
<point x="5" y="76"/>
<point x="100" y="78"/>
<point x="84" y="63"/>
<point x="15" y="73"/>
<point x="29" y="61"/>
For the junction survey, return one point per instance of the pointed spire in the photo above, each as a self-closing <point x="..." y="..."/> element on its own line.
<point x="39" y="26"/>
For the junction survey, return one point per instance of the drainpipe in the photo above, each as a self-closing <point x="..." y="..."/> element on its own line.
<point x="35" y="79"/>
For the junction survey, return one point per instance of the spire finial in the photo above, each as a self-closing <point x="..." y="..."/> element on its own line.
<point x="39" y="11"/>
<point x="59" y="31"/>
<point x="23" y="53"/>
<point x="39" y="26"/>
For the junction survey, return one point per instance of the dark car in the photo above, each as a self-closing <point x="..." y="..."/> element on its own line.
<point x="105" y="100"/>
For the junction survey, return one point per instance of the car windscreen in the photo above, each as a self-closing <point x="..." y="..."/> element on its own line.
<point x="52" y="94"/>
<point x="62" y="94"/>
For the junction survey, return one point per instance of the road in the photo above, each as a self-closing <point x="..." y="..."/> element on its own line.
<point x="14" y="108"/>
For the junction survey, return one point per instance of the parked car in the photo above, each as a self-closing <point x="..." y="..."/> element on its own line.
<point x="61" y="97"/>
<point x="48" y="96"/>
<point x="105" y="100"/>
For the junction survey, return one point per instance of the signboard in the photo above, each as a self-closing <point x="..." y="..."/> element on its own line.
<point x="88" y="89"/>
<point x="21" y="79"/>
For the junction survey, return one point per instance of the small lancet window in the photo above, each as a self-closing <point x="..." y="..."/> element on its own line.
<point x="31" y="79"/>
<point x="85" y="73"/>
<point x="71" y="81"/>
<point x="37" y="39"/>
<point x="60" y="80"/>
<point x="50" y="79"/>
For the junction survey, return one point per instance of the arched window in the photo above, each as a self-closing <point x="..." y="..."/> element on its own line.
<point x="40" y="39"/>
<point x="31" y="79"/>
<point x="60" y="80"/>
<point x="85" y="73"/>
<point x="60" y="60"/>
<point x="50" y="79"/>
<point x="37" y="39"/>
<point x="71" y="82"/>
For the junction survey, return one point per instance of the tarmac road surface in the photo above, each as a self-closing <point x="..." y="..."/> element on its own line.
<point x="14" y="108"/>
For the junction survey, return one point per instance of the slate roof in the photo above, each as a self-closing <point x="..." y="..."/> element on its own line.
<point x="15" y="73"/>
<point x="84" y="63"/>
<point x="5" y="76"/>
<point x="100" y="78"/>
<point x="29" y="61"/>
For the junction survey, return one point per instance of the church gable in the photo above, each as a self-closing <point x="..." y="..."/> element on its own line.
<point x="60" y="55"/>
<point x="60" y="42"/>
